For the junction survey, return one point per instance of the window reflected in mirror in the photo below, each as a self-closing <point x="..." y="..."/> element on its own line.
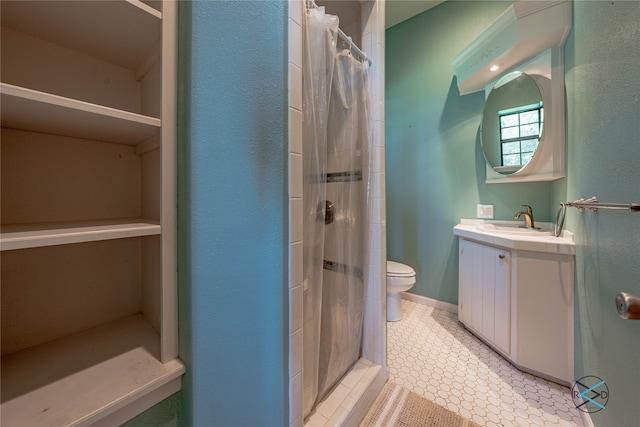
<point x="520" y="130"/>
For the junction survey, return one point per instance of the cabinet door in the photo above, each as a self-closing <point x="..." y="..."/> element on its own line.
<point x="470" y="285"/>
<point x="465" y="277"/>
<point x="477" y="274"/>
<point x="484" y="292"/>
<point x="502" y="289"/>
<point x="488" y="257"/>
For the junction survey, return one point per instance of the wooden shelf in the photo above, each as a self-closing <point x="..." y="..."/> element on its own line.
<point x="37" y="111"/>
<point x="23" y="236"/>
<point x="86" y="377"/>
<point x="120" y="32"/>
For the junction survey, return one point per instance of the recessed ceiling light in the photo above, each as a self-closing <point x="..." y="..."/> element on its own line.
<point x="494" y="68"/>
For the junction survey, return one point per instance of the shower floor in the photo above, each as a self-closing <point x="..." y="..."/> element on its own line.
<point x="434" y="356"/>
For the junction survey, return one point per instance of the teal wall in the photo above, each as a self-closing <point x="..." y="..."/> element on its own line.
<point x="435" y="168"/>
<point x="602" y="66"/>
<point x="232" y="213"/>
<point x="164" y="414"/>
<point x="435" y="171"/>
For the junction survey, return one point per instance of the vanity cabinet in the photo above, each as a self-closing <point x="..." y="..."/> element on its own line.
<point x="518" y="301"/>
<point x="88" y="210"/>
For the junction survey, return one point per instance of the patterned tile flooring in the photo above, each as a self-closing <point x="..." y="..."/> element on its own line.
<point x="433" y="355"/>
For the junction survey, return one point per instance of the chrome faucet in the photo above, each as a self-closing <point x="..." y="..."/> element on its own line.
<point x="528" y="216"/>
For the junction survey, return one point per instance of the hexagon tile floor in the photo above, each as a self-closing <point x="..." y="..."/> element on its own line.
<point x="433" y="355"/>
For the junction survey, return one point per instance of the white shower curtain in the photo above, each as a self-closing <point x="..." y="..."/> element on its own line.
<point x="336" y="161"/>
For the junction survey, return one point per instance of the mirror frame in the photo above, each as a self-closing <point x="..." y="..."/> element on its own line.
<point x="548" y="163"/>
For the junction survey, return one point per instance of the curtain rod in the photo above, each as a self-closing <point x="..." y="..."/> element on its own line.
<point x="311" y="4"/>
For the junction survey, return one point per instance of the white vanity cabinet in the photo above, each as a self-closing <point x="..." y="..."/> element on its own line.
<point x="516" y="294"/>
<point x="88" y="209"/>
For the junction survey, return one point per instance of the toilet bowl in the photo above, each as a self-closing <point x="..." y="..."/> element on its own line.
<point x="400" y="278"/>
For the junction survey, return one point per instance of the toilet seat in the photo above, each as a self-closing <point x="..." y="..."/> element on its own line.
<point x="396" y="269"/>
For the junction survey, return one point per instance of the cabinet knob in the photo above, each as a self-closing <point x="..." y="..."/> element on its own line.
<point x="502" y="256"/>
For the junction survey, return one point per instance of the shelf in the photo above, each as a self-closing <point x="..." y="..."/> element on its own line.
<point x="120" y="32"/>
<point x="37" y="111"/>
<point x="23" y="236"/>
<point x="86" y="377"/>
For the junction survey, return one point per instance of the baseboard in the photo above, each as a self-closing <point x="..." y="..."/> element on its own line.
<point x="442" y="305"/>
<point x="584" y="416"/>
<point x="586" y="419"/>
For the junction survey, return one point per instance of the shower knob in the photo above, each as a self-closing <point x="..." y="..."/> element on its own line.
<point x="628" y="306"/>
<point x="326" y="212"/>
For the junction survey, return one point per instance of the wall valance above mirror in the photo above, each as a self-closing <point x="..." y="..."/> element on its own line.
<point x="527" y="38"/>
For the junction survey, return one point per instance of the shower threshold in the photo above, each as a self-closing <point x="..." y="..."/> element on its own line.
<point x="350" y="400"/>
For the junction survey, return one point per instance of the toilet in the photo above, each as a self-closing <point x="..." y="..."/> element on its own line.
<point x="400" y="278"/>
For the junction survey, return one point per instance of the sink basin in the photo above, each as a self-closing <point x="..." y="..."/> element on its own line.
<point x="514" y="230"/>
<point x="510" y="235"/>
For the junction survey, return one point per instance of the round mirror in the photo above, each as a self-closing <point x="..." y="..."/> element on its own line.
<point x="512" y="122"/>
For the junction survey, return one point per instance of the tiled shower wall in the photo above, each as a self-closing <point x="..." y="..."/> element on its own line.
<point x="374" y="337"/>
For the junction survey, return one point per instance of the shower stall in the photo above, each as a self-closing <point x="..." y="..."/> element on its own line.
<point x="336" y="147"/>
<point x="343" y="253"/>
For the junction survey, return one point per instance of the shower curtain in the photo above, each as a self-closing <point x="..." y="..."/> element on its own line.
<point x="336" y="162"/>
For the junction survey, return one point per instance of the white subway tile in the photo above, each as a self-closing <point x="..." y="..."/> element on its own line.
<point x="339" y="416"/>
<point x="295" y="220"/>
<point x="295" y="398"/>
<point x="367" y="343"/>
<point x="295" y="131"/>
<point x="295" y="10"/>
<point x="295" y="264"/>
<point x="316" y="419"/>
<point x="295" y="87"/>
<point x="295" y="43"/>
<point x="295" y="355"/>
<point x="295" y="308"/>
<point x="295" y="175"/>
<point x="367" y="45"/>
<point x="331" y="404"/>
<point x="379" y="139"/>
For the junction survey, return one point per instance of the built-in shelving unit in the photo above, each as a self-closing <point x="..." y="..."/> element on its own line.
<point x="88" y="187"/>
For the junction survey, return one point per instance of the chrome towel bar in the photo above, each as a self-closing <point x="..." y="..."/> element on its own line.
<point x="593" y="205"/>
